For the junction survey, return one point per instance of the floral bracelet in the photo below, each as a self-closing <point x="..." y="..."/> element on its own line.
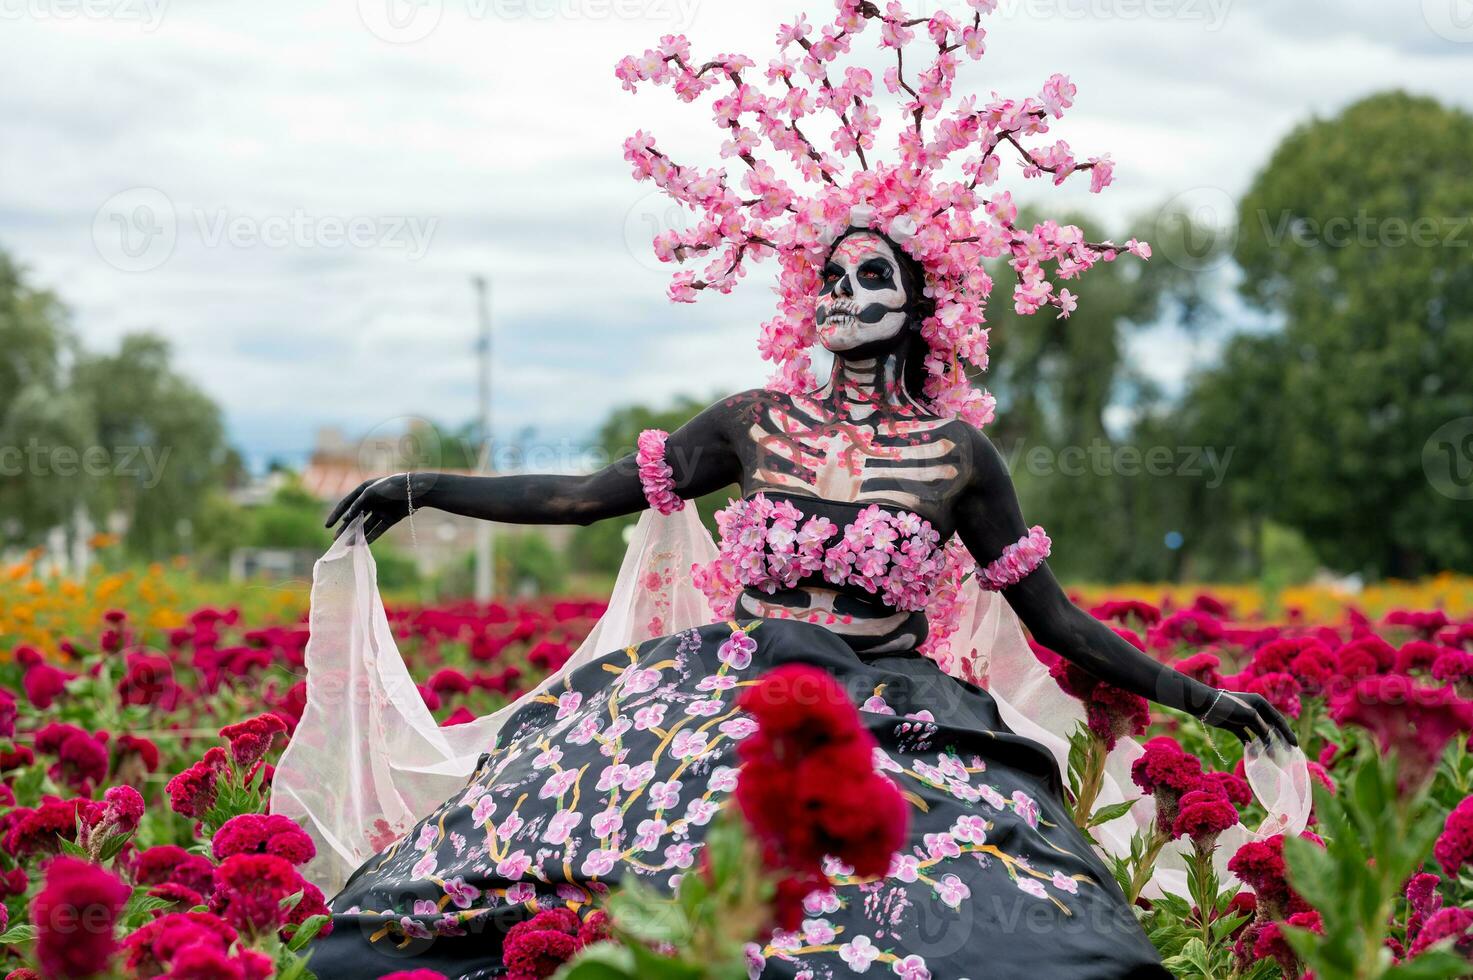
<point x="655" y="475"/>
<point x="1017" y="561"/>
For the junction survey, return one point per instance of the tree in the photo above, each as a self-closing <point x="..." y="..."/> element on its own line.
<point x="1055" y="380"/>
<point x="162" y="437"/>
<point x="1357" y="234"/>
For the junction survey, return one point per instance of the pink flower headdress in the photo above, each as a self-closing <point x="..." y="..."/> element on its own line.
<point x="949" y="224"/>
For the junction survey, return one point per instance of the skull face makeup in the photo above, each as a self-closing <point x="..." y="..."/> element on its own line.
<point x="864" y="299"/>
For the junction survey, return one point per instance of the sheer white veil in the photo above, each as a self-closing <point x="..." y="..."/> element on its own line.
<point x="367" y="759"/>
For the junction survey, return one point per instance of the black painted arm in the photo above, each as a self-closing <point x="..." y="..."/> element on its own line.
<point x="989" y="519"/>
<point x="700" y="454"/>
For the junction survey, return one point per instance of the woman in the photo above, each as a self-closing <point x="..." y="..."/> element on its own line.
<point x="868" y="504"/>
<point x="619" y="771"/>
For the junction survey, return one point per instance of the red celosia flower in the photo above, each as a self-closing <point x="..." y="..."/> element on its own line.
<point x="1201" y="815"/>
<point x="7" y="714"/>
<point x="1413" y="721"/>
<point x="1365" y="655"/>
<point x="1122" y="610"/>
<point x="536" y="948"/>
<point x="1426" y="623"/>
<point x="254" y="833"/>
<point x="1109" y="711"/>
<point x="251" y="739"/>
<point x="180" y="897"/>
<point x="1202" y="667"/>
<point x="75" y="914"/>
<point x="595" y="928"/>
<point x="249" y="889"/>
<point x="1454" y="848"/>
<point x="155" y="946"/>
<point x="81" y="759"/>
<point x="192" y="792"/>
<point x="460" y="716"/>
<point x="449" y="681"/>
<point x="43" y="683"/>
<point x="1447" y="923"/>
<point x="1260" y="866"/>
<point x="41" y="831"/>
<point x="1416" y="655"/>
<point x="807" y="785"/>
<point x="1231" y="785"/>
<point x="549" y="656"/>
<point x="1279" y="688"/>
<point x="1453" y="667"/>
<point x="1422" y="901"/>
<point x="1167" y="773"/>
<point x="14" y="882"/>
<point x="118" y="812"/>
<point x="170" y="864"/>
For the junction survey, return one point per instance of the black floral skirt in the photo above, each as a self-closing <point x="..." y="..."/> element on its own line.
<point x="619" y="770"/>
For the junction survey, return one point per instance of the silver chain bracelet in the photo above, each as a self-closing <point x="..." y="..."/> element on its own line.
<point x="409" y="502"/>
<point x="1207" y="731"/>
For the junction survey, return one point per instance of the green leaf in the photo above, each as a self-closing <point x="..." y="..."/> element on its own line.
<point x="1434" y="964"/>
<point x="22" y="933"/>
<point x="305" y="932"/>
<point x="1113" y="811"/>
<point x="601" y="961"/>
<point x="73" y="848"/>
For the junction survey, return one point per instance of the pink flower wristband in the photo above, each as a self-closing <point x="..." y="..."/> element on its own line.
<point x="1017" y="561"/>
<point x="655" y="475"/>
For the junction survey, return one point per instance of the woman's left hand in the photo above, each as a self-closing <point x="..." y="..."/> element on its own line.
<point x="1249" y="716"/>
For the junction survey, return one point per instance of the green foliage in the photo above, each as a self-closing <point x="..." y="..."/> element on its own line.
<point x="1358" y="237"/>
<point x="110" y="434"/>
<point x="1377" y="834"/>
<point x="700" y="933"/>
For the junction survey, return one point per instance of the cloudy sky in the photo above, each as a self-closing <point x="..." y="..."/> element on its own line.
<point x="298" y="193"/>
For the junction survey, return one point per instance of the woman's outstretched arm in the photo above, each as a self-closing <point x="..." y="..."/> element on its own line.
<point x="700" y="454"/>
<point x="989" y="520"/>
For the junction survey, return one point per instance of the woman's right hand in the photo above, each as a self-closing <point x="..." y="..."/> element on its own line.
<point x="383" y="503"/>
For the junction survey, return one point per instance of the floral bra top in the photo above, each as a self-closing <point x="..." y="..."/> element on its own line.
<point x="767" y="545"/>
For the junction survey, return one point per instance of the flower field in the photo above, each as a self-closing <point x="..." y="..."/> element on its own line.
<point x="141" y="712"/>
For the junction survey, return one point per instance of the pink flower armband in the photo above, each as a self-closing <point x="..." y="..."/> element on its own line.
<point x="655" y="475"/>
<point x="1017" y="561"/>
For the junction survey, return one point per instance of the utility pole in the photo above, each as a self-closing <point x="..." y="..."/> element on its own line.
<point x="485" y="541"/>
